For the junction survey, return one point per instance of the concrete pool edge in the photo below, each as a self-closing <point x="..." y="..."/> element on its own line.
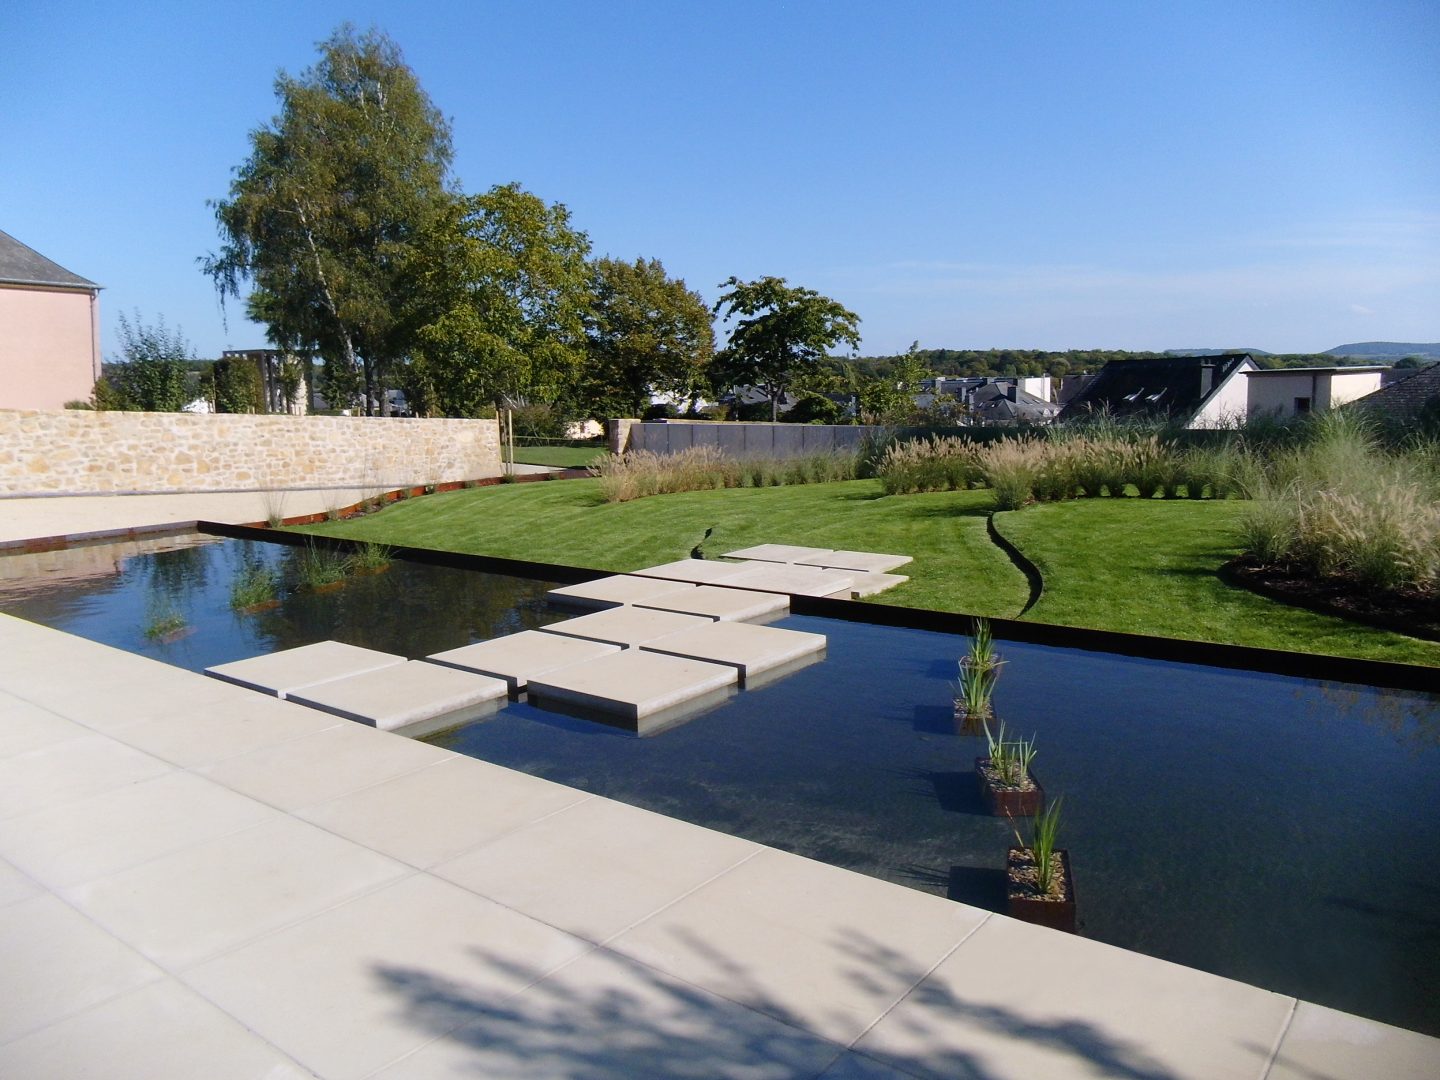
<point x="900" y="970"/>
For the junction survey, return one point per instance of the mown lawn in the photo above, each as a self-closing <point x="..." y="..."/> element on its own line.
<point x="559" y="457"/>
<point x="1140" y="567"/>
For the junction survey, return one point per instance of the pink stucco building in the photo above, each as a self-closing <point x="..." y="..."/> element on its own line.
<point x="49" y="330"/>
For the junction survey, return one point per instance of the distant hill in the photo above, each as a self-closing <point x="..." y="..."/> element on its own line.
<point x="1212" y="352"/>
<point x="1387" y="350"/>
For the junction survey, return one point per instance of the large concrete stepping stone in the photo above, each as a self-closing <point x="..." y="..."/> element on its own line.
<point x="752" y="650"/>
<point x="723" y="604"/>
<point x="796" y="580"/>
<point x="413" y="698"/>
<point x="869" y="562"/>
<point x="517" y="658"/>
<point x="781" y="553"/>
<point x="627" y="626"/>
<point x="616" y="591"/>
<point x="642" y="692"/>
<point x="870" y="584"/>
<point x="281" y="672"/>
<point x="697" y="571"/>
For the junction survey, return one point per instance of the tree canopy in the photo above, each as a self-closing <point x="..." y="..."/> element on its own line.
<point x="507" y="287"/>
<point x="647" y="333"/>
<point x="780" y="332"/>
<point x="152" y="375"/>
<point x="324" y="217"/>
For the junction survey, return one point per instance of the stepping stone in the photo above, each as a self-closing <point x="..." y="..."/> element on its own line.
<point x="751" y="650"/>
<point x="796" y="580"/>
<point x="723" y="604"/>
<point x="517" y="658"/>
<point x="414" y="698"/>
<point x="869" y="562"/>
<point x="626" y="626"/>
<point x="696" y="571"/>
<point x="617" y="591"/>
<point x="642" y="692"/>
<point x="781" y="553"/>
<point x="870" y="584"/>
<point x="281" y="672"/>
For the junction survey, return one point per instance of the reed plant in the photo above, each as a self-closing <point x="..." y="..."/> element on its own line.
<point x="1044" y="829"/>
<point x="316" y="566"/>
<point x="371" y="558"/>
<point x="979" y="671"/>
<point x="254" y="584"/>
<point x="1009" y="758"/>
<point x="163" y="618"/>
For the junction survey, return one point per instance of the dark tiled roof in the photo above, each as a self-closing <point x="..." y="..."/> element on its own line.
<point x="21" y="265"/>
<point x="1171" y="387"/>
<point x="1408" y="396"/>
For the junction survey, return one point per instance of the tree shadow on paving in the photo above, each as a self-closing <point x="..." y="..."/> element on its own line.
<point x="609" y="1017"/>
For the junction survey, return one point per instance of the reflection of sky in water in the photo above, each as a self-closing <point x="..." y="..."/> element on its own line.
<point x="1276" y="830"/>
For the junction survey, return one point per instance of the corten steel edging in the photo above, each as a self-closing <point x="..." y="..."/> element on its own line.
<point x="1379" y="673"/>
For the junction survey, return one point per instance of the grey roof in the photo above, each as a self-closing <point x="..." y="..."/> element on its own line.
<point x="1410" y="396"/>
<point x="22" y="265"/>
<point x="1171" y="387"/>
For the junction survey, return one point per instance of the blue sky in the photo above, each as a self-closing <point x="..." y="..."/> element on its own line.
<point x="968" y="175"/>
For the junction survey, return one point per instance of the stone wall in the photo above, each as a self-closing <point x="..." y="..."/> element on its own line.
<point x="746" y="439"/>
<point x="111" y="453"/>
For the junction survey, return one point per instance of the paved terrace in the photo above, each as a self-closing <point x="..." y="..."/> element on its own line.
<point x="199" y="881"/>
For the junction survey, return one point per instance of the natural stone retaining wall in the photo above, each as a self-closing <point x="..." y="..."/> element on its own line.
<point x="106" y="453"/>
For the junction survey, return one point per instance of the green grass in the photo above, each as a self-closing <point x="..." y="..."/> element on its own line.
<point x="1114" y="564"/>
<point x="956" y="567"/>
<point x="1149" y="567"/>
<point x="559" y="457"/>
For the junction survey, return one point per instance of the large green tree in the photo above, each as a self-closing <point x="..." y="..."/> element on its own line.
<point x="151" y="375"/>
<point x="648" y="333"/>
<point x="781" y="332"/>
<point x="507" y="287"/>
<point x="324" y="219"/>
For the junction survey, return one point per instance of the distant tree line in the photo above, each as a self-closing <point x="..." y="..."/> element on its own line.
<point x="969" y="363"/>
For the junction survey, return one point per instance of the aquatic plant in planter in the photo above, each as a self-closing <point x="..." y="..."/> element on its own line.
<point x="371" y="558"/>
<point x="320" y="568"/>
<point x="979" y="671"/>
<point x="1006" y="782"/>
<point x="255" y="588"/>
<point x="1039" y="887"/>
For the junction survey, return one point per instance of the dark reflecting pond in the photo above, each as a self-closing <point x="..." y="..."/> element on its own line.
<point x="1274" y="830"/>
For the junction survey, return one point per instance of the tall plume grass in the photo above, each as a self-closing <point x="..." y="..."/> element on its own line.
<point x="639" y="474"/>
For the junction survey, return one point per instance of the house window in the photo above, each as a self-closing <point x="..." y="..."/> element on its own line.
<point x="1302" y="406"/>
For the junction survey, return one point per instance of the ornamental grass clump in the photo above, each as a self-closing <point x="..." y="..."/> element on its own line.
<point x="371" y="558"/>
<point x="255" y="585"/>
<point x="1010" y="466"/>
<point x="638" y="474"/>
<point x="1048" y="879"/>
<point x="317" y="567"/>
<point x="933" y="464"/>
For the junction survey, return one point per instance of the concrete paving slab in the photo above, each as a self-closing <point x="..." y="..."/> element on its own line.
<point x="517" y="658"/>
<point x="642" y="692"/>
<point x="238" y="724"/>
<point x="323" y="766"/>
<point x="441" y="957"/>
<point x="868" y="562"/>
<point x="605" y="1016"/>
<point x="633" y="863"/>
<point x="163" y="1031"/>
<point x="812" y="944"/>
<point x="82" y="840"/>
<point x="24" y="726"/>
<point x="626" y="626"/>
<point x="280" y="672"/>
<point x="475" y="801"/>
<point x="723" y="604"/>
<point x="414" y="698"/>
<point x="1017" y="1000"/>
<point x="615" y="591"/>
<point x="58" y="962"/>
<point x="698" y="571"/>
<point x="871" y="584"/>
<point x="74" y="769"/>
<point x="1321" y="1042"/>
<point x="776" y="553"/>
<point x="192" y="904"/>
<point x="15" y="885"/>
<point x="123" y="694"/>
<point x="751" y="650"/>
<point x="792" y="579"/>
